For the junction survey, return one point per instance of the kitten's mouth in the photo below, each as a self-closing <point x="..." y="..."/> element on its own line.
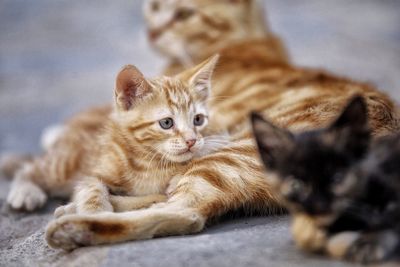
<point x="184" y="152"/>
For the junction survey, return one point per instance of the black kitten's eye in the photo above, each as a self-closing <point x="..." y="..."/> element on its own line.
<point x="296" y="185"/>
<point x="198" y="120"/>
<point x="166" y="123"/>
<point x="337" y="178"/>
<point x="183" y="13"/>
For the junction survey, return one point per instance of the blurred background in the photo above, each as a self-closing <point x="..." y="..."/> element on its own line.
<point x="57" y="57"/>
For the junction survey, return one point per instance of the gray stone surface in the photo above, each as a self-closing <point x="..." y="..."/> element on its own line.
<point x="56" y="57"/>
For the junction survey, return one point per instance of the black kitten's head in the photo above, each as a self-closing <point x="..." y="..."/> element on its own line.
<point x="306" y="168"/>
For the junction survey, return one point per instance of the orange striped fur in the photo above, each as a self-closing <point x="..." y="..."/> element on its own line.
<point x="253" y="74"/>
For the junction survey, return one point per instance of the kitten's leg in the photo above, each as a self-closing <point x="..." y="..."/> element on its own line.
<point x="69" y="208"/>
<point x="363" y="247"/>
<point x="53" y="173"/>
<point x="307" y="235"/>
<point x="119" y="204"/>
<point x="128" y="203"/>
<point x="24" y="192"/>
<point x="11" y="163"/>
<point x="91" y="196"/>
<point x="194" y="201"/>
<point x="206" y="191"/>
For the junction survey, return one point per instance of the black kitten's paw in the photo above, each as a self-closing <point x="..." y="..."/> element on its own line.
<point x="372" y="247"/>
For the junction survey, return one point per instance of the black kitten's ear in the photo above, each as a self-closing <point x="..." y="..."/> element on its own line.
<point x="354" y="115"/>
<point x="273" y="143"/>
<point x="351" y="129"/>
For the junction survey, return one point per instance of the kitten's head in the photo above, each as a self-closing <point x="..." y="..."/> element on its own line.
<point x="186" y="29"/>
<point x="307" y="169"/>
<point x="164" y="116"/>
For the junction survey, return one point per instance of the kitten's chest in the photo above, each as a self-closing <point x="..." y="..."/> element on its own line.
<point x="150" y="182"/>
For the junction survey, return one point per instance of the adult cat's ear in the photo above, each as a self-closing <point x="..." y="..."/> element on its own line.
<point x="131" y="86"/>
<point x="273" y="143"/>
<point x="351" y="128"/>
<point x="199" y="77"/>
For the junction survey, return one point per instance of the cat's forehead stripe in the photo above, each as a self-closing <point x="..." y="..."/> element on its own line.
<point x="177" y="95"/>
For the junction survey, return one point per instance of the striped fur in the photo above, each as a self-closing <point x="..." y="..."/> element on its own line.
<point x="232" y="177"/>
<point x="253" y="74"/>
<point x="125" y="151"/>
<point x="189" y="31"/>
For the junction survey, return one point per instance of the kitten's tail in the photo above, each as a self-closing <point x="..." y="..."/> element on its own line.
<point x="11" y="163"/>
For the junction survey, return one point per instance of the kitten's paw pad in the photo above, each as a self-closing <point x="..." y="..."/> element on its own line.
<point x="370" y="248"/>
<point x="27" y="196"/>
<point x="306" y="235"/>
<point x="68" y="233"/>
<point x="65" y="210"/>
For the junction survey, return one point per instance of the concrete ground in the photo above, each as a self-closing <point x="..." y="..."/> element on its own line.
<point x="57" y="57"/>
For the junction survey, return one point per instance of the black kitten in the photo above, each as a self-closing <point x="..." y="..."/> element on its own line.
<point x="348" y="185"/>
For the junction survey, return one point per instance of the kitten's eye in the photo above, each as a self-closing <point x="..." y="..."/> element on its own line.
<point x="183" y="13"/>
<point x="337" y="178"/>
<point x="198" y="120"/>
<point x="166" y="123"/>
<point x="296" y="185"/>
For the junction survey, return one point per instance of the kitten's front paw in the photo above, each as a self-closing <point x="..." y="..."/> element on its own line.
<point x="64" y="210"/>
<point x="372" y="247"/>
<point x="307" y="235"/>
<point x="339" y="244"/>
<point x="26" y="195"/>
<point x="68" y="232"/>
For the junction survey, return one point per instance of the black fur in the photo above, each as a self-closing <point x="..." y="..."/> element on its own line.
<point x="339" y="171"/>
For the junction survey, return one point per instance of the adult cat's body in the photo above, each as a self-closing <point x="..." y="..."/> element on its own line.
<point x="346" y="186"/>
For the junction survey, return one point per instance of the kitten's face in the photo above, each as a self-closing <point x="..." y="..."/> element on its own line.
<point x="184" y="29"/>
<point x="309" y="169"/>
<point x="166" y="116"/>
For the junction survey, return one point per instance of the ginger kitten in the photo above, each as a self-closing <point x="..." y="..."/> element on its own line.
<point x="157" y="126"/>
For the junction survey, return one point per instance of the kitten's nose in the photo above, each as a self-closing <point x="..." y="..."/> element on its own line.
<point x="190" y="142"/>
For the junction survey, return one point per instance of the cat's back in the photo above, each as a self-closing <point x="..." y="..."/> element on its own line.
<point x="252" y="77"/>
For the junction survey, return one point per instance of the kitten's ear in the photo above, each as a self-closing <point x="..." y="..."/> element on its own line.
<point x="351" y="128"/>
<point x="273" y="143"/>
<point x="131" y="86"/>
<point x="199" y="77"/>
<point x="354" y="115"/>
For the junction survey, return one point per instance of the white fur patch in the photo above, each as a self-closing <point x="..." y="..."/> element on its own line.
<point x="50" y="135"/>
<point x="26" y="195"/>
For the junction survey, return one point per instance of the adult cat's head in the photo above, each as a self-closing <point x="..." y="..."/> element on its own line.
<point x="167" y="115"/>
<point x="310" y="169"/>
<point x="184" y="30"/>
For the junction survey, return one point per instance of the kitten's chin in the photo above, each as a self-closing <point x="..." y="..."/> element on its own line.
<point x="180" y="158"/>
